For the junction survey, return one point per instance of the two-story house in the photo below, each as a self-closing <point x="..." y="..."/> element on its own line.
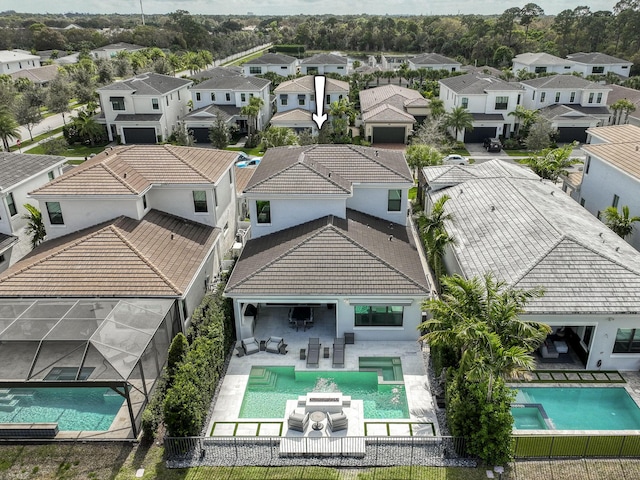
<point x="296" y="101"/>
<point x="434" y="61"/>
<point x="488" y="99"/>
<point x="19" y="174"/>
<point x="145" y="108"/>
<point x="572" y="104"/>
<point x="595" y="63"/>
<point x="541" y="62"/>
<point x="13" y="60"/>
<point x="323" y="63"/>
<point x="618" y="92"/>
<point x="283" y="65"/>
<point x="223" y="97"/>
<point x="112" y="50"/>
<point x="611" y="175"/>
<point x="389" y="113"/>
<point x="329" y="229"/>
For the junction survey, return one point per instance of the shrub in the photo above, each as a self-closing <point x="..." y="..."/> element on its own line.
<point x="177" y="352"/>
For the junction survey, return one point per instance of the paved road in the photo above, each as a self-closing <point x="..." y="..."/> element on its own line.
<point x="49" y="123"/>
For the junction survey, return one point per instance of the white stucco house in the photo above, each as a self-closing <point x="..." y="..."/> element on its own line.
<point x="330" y="231"/>
<point x="541" y="62"/>
<point x="323" y="63"/>
<point x="13" y="60"/>
<point x="595" y="63"/>
<point x="618" y="92"/>
<point x="572" y="104"/>
<point x="145" y="108"/>
<point x="434" y="61"/>
<point x="20" y="173"/>
<point x="283" y="65"/>
<point x="223" y="97"/>
<point x="611" y="175"/>
<point x="530" y="234"/>
<point x="111" y="51"/>
<point x="488" y="99"/>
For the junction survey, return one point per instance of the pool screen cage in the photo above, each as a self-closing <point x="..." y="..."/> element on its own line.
<point x="120" y="344"/>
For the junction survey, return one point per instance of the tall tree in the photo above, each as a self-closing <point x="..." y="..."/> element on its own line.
<point x="279" y="137"/>
<point x="528" y="14"/>
<point x="88" y="128"/>
<point x="9" y="128"/>
<point x="553" y="162"/>
<point x="27" y="114"/>
<point x="420" y="155"/>
<point x="435" y="236"/>
<point x="35" y="226"/>
<point x="59" y="95"/>
<point x="539" y="136"/>
<point x="436" y="107"/>
<point x="620" y="223"/>
<point x="219" y="135"/>
<point x="459" y="119"/>
<point x="252" y="110"/>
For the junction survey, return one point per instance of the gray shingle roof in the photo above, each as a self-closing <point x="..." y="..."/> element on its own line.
<point x="387" y="113"/>
<point x="16" y="167"/>
<point x="563" y="81"/>
<point x="595" y="58"/>
<point x="474" y="83"/>
<point x="211" y="112"/>
<point x="149" y="84"/>
<point x="553" y="112"/>
<point x="339" y="165"/>
<point x="332" y="256"/>
<point x="324" y="59"/>
<point x="217" y="72"/>
<point x="432" y="59"/>
<point x="529" y="233"/>
<point x="138" y="117"/>
<point x="488" y="117"/>
<point x="271" y="59"/>
<point x="232" y="83"/>
<point x="441" y="176"/>
<point x="540" y="58"/>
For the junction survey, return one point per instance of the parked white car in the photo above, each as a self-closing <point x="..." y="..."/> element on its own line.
<point x="455" y="159"/>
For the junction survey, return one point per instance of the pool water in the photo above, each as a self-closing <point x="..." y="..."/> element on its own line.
<point x="73" y="409"/>
<point x="588" y="408"/>
<point x="528" y="418"/>
<point x="269" y="388"/>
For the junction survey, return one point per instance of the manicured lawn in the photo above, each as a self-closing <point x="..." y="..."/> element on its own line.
<point x="241" y="60"/>
<point x="254" y="152"/>
<point x="25" y="143"/>
<point x="413" y="191"/>
<point x="77" y="150"/>
<point x="518" y="153"/>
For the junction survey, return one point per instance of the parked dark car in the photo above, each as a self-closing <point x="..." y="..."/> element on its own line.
<point x="492" y="144"/>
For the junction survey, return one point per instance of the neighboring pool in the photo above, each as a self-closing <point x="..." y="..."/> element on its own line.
<point x="269" y="388"/>
<point x="588" y="408"/>
<point x="73" y="409"/>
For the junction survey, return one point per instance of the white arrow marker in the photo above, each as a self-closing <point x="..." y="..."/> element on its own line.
<point x="319" y="117"/>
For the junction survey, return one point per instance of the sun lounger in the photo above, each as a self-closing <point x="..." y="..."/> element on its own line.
<point x="338" y="355"/>
<point x="313" y="352"/>
<point x="250" y="345"/>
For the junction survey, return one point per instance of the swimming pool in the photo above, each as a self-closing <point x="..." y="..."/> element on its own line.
<point x="73" y="409"/>
<point x="269" y="388"/>
<point x="589" y="408"/>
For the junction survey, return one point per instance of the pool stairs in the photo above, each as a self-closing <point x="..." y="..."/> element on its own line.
<point x="9" y="400"/>
<point x="263" y="379"/>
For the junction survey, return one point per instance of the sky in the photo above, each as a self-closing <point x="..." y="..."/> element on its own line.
<point x="294" y="7"/>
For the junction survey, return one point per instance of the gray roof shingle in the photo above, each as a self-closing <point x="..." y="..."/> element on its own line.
<point x="595" y="58"/>
<point x="148" y="84"/>
<point x="232" y="83"/>
<point x="474" y="83"/>
<point x="563" y="81"/>
<point x="271" y="59"/>
<point x="324" y="59"/>
<point x="16" y="167"/>
<point x="433" y="59"/>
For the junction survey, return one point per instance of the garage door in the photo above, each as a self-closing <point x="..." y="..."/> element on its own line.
<point x="569" y="134"/>
<point x="139" y="135"/>
<point x="201" y="135"/>
<point x="478" y="134"/>
<point x="388" y="135"/>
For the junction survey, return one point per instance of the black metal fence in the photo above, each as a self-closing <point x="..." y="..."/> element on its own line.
<point x="579" y="446"/>
<point x="320" y="451"/>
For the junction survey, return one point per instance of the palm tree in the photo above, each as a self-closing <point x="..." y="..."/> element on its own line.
<point x="252" y="110"/>
<point x="552" y="162"/>
<point x="525" y="118"/>
<point x="436" y="107"/>
<point x="435" y="237"/>
<point x="620" y="106"/>
<point x="87" y="127"/>
<point x="480" y="319"/>
<point x="621" y="224"/>
<point x="35" y="225"/>
<point x="459" y="119"/>
<point x="9" y="128"/>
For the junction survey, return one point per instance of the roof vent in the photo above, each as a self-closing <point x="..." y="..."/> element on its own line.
<point x="125" y="174"/>
<point x="461" y="191"/>
<point x="493" y="208"/>
<point x="551" y="192"/>
<point x="600" y="234"/>
<point x="376" y="153"/>
<point x="390" y="238"/>
<point x="329" y="174"/>
<point x="637" y="148"/>
<point x="617" y="249"/>
<point x="172" y="236"/>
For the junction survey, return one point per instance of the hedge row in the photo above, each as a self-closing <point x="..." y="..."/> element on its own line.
<point x="297" y="49"/>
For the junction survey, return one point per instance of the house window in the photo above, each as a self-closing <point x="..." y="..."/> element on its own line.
<point x="12" y="205"/>
<point x="55" y="213"/>
<point x="155" y="104"/>
<point x="230" y="176"/>
<point x="340" y="68"/>
<point x="465" y="102"/>
<point x="591" y="97"/>
<point x="200" y="201"/>
<point x="284" y="99"/>
<point x="586" y="167"/>
<point x="597" y="70"/>
<point x="518" y="102"/>
<point x="582" y="201"/>
<point x="283" y="68"/>
<point x="599" y="214"/>
<point x="541" y="70"/>
<point x="197" y="96"/>
<point x="117" y="103"/>
<point x="627" y="341"/>
<point x="533" y="95"/>
<point x="394" y="200"/>
<point x="243" y="97"/>
<point x="328" y="99"/>
<point x="378" y="316"/>
<point x="215" y="198"/>
<point x="567" y="67"/>
<point x="51" y="175"/>
<point x="167" y="99"/>
<point x="557" y="97"/>
<point x="2" y="259"/>
<point x="144" y="202"/>
<point x="227" y="96"/>
<point x="263" y="207"/>
<point x="301" y="100"/>
<point x="312" y="97"/>
<point x="255" y="70"/>
<point x="178" y="94"/>
<point x="213" y="97"/>
<point x="543" y="95"/>
<point x="573" y="97"/>
<point x="502" y="103"/>
<point x="615" y="201"/>
<point x="599" y="98"/>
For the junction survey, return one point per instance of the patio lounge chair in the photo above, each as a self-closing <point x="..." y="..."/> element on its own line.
<point x="298" y="421"/>
<point x="338" y="355"/>
<point x="273" y="344"/>
<point x="337" y="421"/>
<point x="313" y="352"/>
<point x="250" y="345"/>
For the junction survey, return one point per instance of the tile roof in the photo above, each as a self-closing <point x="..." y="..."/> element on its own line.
<point x="387" y="113"/>
<point x="16" y="55"/>
<point x="359" y="255"/>
<point x="217" y="72"/>
<point x="440" y="176"/>
<point x="233" y="83"/>
<point x="391" y="94"/>
<point x="616" y="133"/>
<point x="564" y="81"/>
<point x="530" y="233"/>
<point x="295" y="115"/>
<point x="487" y="117"/>
<point x="324" y="59"/>
<point x="131" y="170"/>
<point x="148" y="84"/>
<point x="595" y="111"/>
<point x="271" y="59"/>
<point x="157" y="256"/>
<point x="306" y="84"/>
<point x="540" y="58"/>
<point x="478" y="84"/>
<point x="433" y="59"/>
<point x="242" y="175"/>
<point x="623" y="156"/>
<point x="37" y="75"/>
<point x="138" y="117"/>
<point x="618" y="92"/>
<point x="17" y="167"/>
<point x="336" y="165"/>
<point x="596" y="58"/>
<point x="211" y="112"/>
<point x="558" y="111"/>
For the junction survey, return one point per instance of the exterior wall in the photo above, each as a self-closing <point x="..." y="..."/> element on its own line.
<point x="373" y="199"/>
<point x="225" y="212"/>
<point x="532" y="103"/>
<point x="309" y="100"/>
<point x="178" y="201"/>
<point x="584" y="100"/>
<point x="7" y="259"/>
<point x="588" y="69"/>
<point x="601" y="183"/>
<point x="282" y="70"/>
<point x="559" y="69"/>
<point x="235" y="99"/>
<point x="20" y="64"/>
<point x="322" y="69"/>
<point x="451" y="67"/>
<point x="196" y="291"/>
<point x="290" y="211"/>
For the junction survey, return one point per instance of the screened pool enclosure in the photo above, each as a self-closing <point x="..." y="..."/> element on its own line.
<point x="119" y="344"/>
